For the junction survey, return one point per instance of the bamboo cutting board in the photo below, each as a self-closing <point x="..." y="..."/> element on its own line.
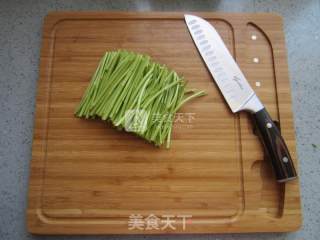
<point x="88" y="178"/>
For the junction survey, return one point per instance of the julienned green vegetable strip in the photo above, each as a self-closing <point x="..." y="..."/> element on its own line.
<point x="136" y="94"/>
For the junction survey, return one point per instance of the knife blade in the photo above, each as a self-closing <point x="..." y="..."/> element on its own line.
<point x="238" y="93"/>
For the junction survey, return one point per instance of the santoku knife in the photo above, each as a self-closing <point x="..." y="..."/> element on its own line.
<point x="239" y="95"/>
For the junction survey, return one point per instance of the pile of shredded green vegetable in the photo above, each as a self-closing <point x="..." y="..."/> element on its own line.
<point x="136" y="94"/>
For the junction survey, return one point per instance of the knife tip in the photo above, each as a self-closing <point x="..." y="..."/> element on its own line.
<point x="186" y="16"/>
<point x="190" y="18"/>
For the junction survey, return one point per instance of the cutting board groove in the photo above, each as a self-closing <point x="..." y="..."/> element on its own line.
<point x="88" y="178"/>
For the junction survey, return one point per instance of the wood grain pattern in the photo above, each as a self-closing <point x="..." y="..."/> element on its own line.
<point x="88" y="178"/>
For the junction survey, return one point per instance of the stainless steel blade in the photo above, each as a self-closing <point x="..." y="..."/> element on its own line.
<point x="225" y="71"/>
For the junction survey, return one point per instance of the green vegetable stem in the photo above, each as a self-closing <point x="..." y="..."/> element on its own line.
<point x="137" y="95"/>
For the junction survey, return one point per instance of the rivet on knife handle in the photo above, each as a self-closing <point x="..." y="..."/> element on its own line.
<point x="276" y="148"/>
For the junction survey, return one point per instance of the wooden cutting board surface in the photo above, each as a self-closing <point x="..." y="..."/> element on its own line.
<point x="88" y="178"/>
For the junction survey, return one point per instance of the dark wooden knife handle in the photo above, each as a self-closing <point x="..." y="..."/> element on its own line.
<point x="275" y="146"/>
